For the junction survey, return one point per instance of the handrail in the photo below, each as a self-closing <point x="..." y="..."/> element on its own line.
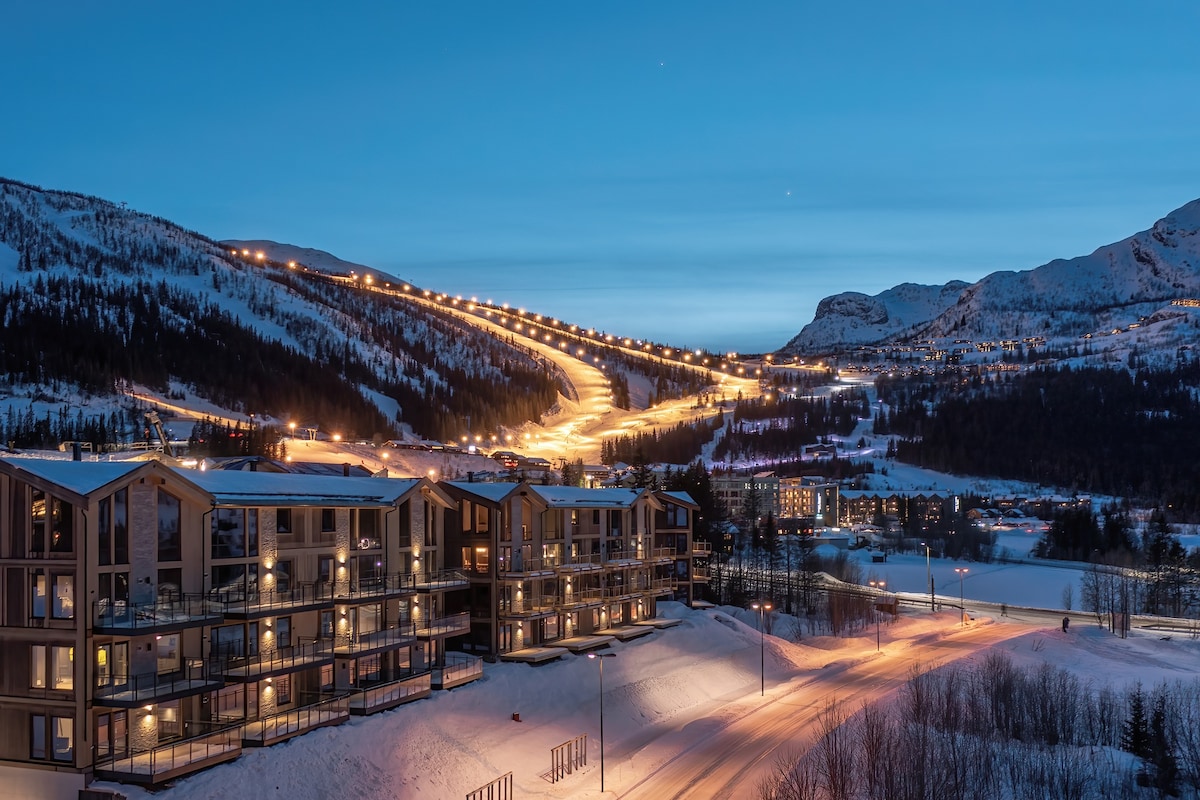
<point x="175" y="610"/>
<point x="283" y="658"/>
<point x="176" y="755"/>
<point x="148" y="685"/>
<point x="296" y="720"/>
<point x="242" y="599"/>
<point x="380" y="585"/>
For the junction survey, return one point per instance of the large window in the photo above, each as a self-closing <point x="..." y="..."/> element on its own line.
<point x="368" y="530"/>
<point x="112" y="665"/>
<point x="235" y="533"/>
<point x="170" y="546"/>
<point x="38" y="589"/>
<point x="64" y="597"/>
<point x="37" y="521"/>
<point x="235" y="582"/>
<point x="283" y="576"/>
<point x="62" y="667"/>
<point x="62" y="527"/>
<point x="169" y="659"/>
<point x="51" y="737"/>
<point x="120" y="526"/>
<point x="328" y="520"/>
<point x="37" y="666"/>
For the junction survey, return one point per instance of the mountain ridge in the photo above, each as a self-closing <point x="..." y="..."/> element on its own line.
<point x="1116" y="284"/>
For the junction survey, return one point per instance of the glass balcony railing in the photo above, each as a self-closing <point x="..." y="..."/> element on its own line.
<point x="197" y="675"/>
<point x="444" y="626"/>
<point x="174" y="612"/>
<point x="240" y="600"/>
<point x="174" y="760"/>
<point x="287" y="724"/>
<point x="395" y="636"/>
<point x="390" y="694"/>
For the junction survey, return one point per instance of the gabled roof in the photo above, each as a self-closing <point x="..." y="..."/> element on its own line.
<point x="238" y="488"/>
<point x="493" y="492"/>
<point x="74" y="479"/>
<point x="680" y="497"/>
<point x="575" y="497"/>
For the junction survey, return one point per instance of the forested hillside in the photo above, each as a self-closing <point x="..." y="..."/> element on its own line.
<point x="1119" y="432"/>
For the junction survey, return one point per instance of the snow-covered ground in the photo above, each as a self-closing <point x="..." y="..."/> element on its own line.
<point x="663" y="694"/>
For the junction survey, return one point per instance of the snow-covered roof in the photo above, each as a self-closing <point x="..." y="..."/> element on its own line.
<point x="80" y="477"/>
<point x="276" y="489"/>
<point x="682" y="497"/>
<point x="573" y="496"/>
<point x="495" y="492"/>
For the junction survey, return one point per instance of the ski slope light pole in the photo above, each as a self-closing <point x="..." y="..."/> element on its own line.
<point x="962" y="607"/>
<point x="762" y="609"/>
<point x="929" y="577"/>
<point x="878" y="586"/>
<point x="600" y="659"/>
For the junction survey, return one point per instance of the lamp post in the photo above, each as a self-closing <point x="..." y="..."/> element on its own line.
<point x="929" y="577"/>
<point x="878" y="586"/>
<point x="600" y="659"/>
<point x="762" y="609"/>
<point x="962" y="607"/>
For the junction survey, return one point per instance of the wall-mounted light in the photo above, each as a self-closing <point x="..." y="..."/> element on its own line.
<point x="343" y="612"/>
<point x="269" y="680"/>
<point x="268" y="622"/>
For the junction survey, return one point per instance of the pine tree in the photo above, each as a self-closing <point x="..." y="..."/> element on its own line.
<point x="1135" y="733"/>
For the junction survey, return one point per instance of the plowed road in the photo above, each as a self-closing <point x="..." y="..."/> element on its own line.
<point x="730" y="760"/>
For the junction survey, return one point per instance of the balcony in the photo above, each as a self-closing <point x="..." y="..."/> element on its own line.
<point x="378" y="641"/>
<point x="374" y="699"/>
<point x="288" y="724"/>
<point x="244" y="604"/>
<point x="441" y="627"/>
<point x="662" y="586"/>
<point x="170" y="761"/>
<point x="123" y="691"/>
<point x="580" y="563"/>
<point x="255" y="667"/>
<point x="442" y="580"/>
<point x="530" y="606"/>
<point x="366" y="589"/>
<point x="527" y="568"/>
<point x="701" y="549"/>
<point x="700" y="574"/>
<point x="185" y="611"/>
<point x="583" y="597"/>
<point x="662" y="555"/>
<point x="459" y="668"/>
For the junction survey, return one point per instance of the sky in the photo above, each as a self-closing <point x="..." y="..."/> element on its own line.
<point x="696" y="173"/>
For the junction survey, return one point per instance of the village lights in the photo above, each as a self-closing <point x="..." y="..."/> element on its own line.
<point x="762" y="609"/>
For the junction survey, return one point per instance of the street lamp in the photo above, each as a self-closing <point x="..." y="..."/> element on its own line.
<point x="878" y="586"/>
<point x="929" y="577"/>
<point x="962" y="607"/>
<point x="762" y="609"/>
<point x="600" y="659"/>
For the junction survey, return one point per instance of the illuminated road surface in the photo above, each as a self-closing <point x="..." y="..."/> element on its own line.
<point x="730" y="761"/>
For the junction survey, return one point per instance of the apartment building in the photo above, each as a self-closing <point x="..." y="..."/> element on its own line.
<point x="157" y="621"/>
<point x="738" y="491"/>
<point x="810" y="498"/>
<point x="548" y="563"/>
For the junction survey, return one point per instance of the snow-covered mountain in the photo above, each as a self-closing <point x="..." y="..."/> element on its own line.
<point x="1114" y="287"/>
<point x="97" y="299"/>
<point x="308" y="256"/>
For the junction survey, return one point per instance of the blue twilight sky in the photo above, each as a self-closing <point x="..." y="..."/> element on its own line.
<point x="694" y="172"/>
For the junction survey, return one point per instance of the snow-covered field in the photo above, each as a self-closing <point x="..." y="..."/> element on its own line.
<point x="663" y="693"/>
